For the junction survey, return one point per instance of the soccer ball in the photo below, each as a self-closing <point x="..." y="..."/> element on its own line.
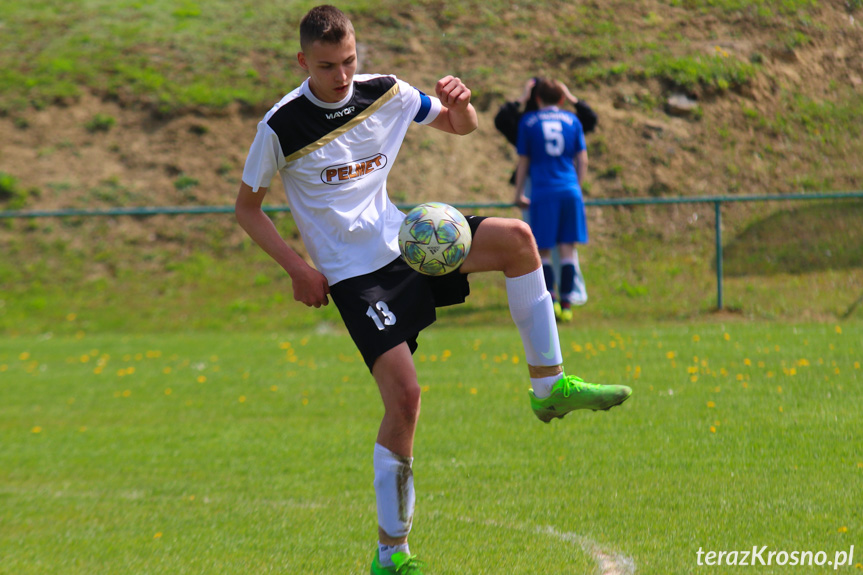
<point x="434" y="238"/>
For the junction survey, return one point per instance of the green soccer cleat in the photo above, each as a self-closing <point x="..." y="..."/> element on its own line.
<point x="558" y="310"/>
<point x="571" y="393"/>
<point x="404" y="565"/>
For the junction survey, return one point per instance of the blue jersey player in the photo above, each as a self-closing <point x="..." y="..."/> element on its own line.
<point x="552" y="152"/>
<point x="333" y="141"/>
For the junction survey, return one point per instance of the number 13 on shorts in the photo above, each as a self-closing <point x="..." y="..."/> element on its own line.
<point x="381" y="315"/>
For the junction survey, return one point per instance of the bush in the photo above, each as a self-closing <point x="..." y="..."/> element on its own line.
<point x="719" y="72"/>
<point x="8" y="186"/>
<point x="185" y="182"/>
<point x="100" y="123"/>
<point x="11" y="193"/>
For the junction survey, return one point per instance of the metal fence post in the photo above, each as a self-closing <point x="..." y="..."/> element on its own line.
<point x="718" y="211"/>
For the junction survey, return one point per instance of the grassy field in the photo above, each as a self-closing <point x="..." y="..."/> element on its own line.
<point x="225" y="453"/>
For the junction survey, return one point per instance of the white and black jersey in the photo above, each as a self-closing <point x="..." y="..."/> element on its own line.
<point x="334" y="160"/>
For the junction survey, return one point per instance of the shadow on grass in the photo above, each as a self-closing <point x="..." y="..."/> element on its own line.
<point x="815" y="237"/>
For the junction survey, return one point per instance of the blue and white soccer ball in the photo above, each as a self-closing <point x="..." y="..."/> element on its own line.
<point x="434" y="238"/>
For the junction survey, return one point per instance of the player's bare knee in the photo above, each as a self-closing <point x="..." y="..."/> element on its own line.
<point x="523" y="235"/>
<point x="406" y="404"/>
<point x="524" y="256"/>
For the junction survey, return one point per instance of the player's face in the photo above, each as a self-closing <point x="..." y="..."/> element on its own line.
<point x="331" y="68"/>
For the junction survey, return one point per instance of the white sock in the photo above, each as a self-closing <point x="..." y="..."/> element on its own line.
<point x="394" y="490"/>
<point x="386" y="552"/>
<point x="532" y="311"/>
<point x="542" y="385"/>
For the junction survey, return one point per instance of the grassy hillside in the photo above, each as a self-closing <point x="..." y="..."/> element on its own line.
<point x="106" y="104"/>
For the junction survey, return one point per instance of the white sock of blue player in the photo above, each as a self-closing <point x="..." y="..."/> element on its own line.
<point x="532" y="311"/>
<point x="394" y="491"/>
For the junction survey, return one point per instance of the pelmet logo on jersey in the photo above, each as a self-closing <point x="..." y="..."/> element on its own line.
<point x="339" y="174"/>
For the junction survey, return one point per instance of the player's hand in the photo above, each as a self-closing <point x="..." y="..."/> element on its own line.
<point x="528" y="89"/>
<point x="311" y="287"/>
<point x="567" y="94"/>
<point x="452" y="93"/>
<point x="522" y="201"/>
<point x="458" y="115"/>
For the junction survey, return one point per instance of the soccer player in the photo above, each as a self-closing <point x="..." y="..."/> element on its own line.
<point x="553" y="156"/>
<point x="333" y="141"/>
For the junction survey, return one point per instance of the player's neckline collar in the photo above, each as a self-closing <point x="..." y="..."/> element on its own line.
<point x="307" y="92"/>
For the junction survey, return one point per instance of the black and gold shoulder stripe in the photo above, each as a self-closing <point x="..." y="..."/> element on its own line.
<point x="302" y="127"/>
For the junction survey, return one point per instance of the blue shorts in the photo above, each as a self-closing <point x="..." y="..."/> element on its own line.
<point x="558" y="220"/>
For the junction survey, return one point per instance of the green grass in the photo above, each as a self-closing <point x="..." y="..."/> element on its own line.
<point x="691" y="72"/>
<point x="170" y="54"/>
<point x="225" y="453"/>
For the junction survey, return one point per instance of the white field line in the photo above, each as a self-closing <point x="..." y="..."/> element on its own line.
<point x="609" y="562"/>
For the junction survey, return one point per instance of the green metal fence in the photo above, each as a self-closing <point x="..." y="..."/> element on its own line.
<point x="717" y="202"/>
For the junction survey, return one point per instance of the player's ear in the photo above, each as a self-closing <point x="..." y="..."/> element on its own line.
<point x="301" y="58"/>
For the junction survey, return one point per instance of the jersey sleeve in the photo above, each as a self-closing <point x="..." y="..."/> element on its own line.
<point x="417" y="105"/>
<point x="264" y="160"/>
<point x="429" y="108"/>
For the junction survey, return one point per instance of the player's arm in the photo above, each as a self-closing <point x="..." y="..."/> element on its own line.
<point x="310" y="286"/>
<point x="567" y="94"/>
<point x="580" y="162"/>
<point x="526" y="92"/>
<point x="457" y="116"/>
<point x="521" y="170"/>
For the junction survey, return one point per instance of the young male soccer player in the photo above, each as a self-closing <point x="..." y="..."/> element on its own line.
<point x="333" y="140"/>
<point x="552" y="151"/>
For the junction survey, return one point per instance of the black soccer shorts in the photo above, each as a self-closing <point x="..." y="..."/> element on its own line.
<point x="392" y="305"/>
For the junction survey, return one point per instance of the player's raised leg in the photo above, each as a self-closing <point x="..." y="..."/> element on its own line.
<point x="507" y="245"/>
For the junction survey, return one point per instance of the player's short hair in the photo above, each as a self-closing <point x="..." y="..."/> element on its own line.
<point x="548" y="91"/>
<point x="325" y="23"/>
